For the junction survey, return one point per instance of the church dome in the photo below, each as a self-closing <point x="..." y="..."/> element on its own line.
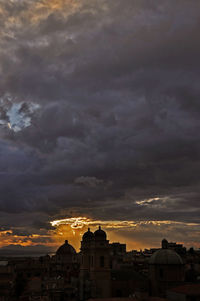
<point x="165" y="256"/>
<point x="100" y="234"/>
<point x="88" y="235"/>
<point x="65" y="249"/>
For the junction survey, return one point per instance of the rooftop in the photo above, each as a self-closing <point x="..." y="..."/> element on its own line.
<point x="188" y="289"/>
<point x="165" y="256"/>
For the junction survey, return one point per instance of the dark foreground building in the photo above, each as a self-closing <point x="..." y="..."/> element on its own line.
<point x="95" y="269"/>
<point x="103" y="270"/>
<point x="166" y="270"/>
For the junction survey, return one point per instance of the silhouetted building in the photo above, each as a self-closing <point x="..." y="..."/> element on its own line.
<point x="102" y="270"/>
<point x="166" y="270"/>
<point x="62" y="279"/>
<point x="64" y="261"/>
<point x="118" y="249"/>
<point x="187" y="292"/>
<point x="95" y="275"/>
<point x="178" y="248"/>
<point x="6" y="279"/>
<point x="126" y="282"/>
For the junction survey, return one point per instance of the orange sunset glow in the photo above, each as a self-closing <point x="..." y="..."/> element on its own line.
<point x="129" y="232"/>
<point x="73" y="228"/>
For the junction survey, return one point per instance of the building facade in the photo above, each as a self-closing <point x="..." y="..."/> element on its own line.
<point x="166" y="270"/>
<point x="95" y="272"/>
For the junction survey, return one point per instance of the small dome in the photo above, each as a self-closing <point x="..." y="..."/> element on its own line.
<point x="66" y="249"/>
<point x="100" y="234"/>
<point x="88" y="235"/>
<point x="165" y="256"/>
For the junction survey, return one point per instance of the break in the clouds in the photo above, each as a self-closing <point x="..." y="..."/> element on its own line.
<point x="16" y="115"/>
<point x="99" y="112"/>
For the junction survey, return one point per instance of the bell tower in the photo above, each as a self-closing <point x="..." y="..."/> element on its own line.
<point x="87" y="261"/>
<point x="95" y="265"/>
<point x="100" y="270"/>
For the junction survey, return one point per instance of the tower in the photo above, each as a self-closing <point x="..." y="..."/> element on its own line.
<point x="87" y="245"/>
<point x="100" y="270"/>
<point x="95" y="264"/>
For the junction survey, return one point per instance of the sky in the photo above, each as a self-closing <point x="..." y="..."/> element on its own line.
<point x="99" y="122"/>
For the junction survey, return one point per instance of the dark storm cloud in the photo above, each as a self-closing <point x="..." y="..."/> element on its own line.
<point x="118" y="88"/>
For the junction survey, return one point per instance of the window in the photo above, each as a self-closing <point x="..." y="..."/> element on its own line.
<point x="101" y="261"/>
<point x="118" y="293"/>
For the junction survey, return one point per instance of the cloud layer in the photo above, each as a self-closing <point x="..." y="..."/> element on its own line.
<point x="99" y="110"/>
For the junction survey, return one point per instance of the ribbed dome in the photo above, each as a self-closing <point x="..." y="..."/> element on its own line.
<point x="100" y="234"/>
<point x="88" y="235"/>
<point x="165" y="256"/>
<point x="66" y="249"/>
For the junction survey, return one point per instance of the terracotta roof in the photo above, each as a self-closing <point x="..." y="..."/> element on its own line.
<point x="188" y="289"/>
